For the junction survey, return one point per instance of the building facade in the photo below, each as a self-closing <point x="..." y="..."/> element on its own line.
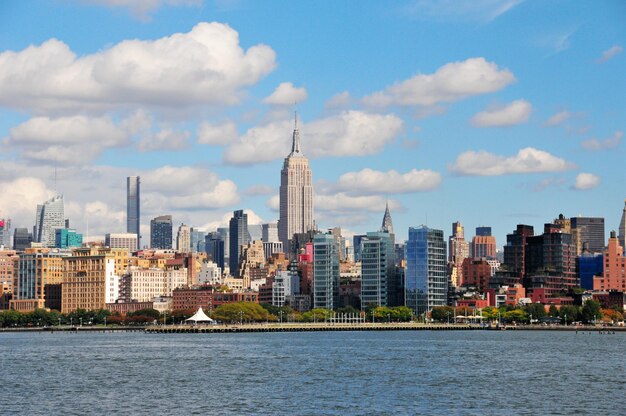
<point x="5" y="233"/>
<point x="67" y="238"/>
<point x="426" y="280"/>
<point x="614" y="275"/>
<point x="133" y="217"/>
<point x="127" y="241"/>
<point x="50" y="216"/>
<point x="325" y="272"/>
<point x="22" y="239"/>
<point x="239" y="237"/>
<point x="146" y="284"/>
<point x="183" y="239"/>
<point x="377" y="270"/>
<point x="161" y="232"/>
<point x="296" y="194"/>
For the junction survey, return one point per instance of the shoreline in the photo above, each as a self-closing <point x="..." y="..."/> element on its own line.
<point x="310" y="327"/>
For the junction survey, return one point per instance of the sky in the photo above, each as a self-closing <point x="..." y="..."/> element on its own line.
<point x="489" y="112"/>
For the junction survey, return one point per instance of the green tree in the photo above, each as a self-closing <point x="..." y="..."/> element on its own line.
<point x="442" y="314"/>
<point x="316" y="315"/>
<point x="153" y="313"/>
<point x="591" y="311"/>
<point x="241" y="311"/>
<point x="515" y="316"/>
<point x="536" y="310"/>
<point x="402" y="313"/>
<point x="569" y="313"/>
<point x="554" y="312"/>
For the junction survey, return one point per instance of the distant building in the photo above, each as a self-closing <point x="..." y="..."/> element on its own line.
<point x="356" y="242"/>
<point x="269" y="233"/>
<point x="127" y="241"/>
<point x="588" y="230"/>
<point x="50" y="216"/>
<point x="325" y="272"/>
<point x="5" y="233"/>
<point x="22" y="239"/>
<point x="476" y="273"/>
<point x="8" y="259"/>
<point x="67" y="238"/>
<point x="483" y="246"/>
<point x="483" y="231"/>
<point x="296" y="194"/>
<point x="271" y="248"/>
<point x="183" y="239"/>
<point x="286" y="284"/>
<point x="589" y="265"/>
<point x="515" y="250"/>
<point x="34" y="269"/>
<point x="215" y="248"/>
<point x="458" y="251"/>
<point x="146" y="284"/>
<point x="197" y="239"/>
<point x="238" y="233"/>
<point x="133" y="217"/>
<point x="161" y="232"/>
<point x="622" y="228"/>
<point x="426" y="280"/>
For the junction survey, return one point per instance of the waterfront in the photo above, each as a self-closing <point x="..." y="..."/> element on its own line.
<point x="333" y="373"/>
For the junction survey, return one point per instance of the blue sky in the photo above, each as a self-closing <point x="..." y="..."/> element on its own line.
<point x="491" y="112"/>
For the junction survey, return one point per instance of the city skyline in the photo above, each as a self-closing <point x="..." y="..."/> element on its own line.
<point x="492" y="115"/>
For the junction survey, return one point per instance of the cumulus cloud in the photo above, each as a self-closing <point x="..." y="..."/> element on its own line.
<point x="585" y="181"/>
<point x="342" y="202"/>
<point x="528" y="160"/>
<point x="606" y="144"/>
<point x="259" y="190"/>
<point x="166" y="139"/>
<point x="20" y="197"/>
<point x="66" y="140"/>
<point x="204" y="66"/>
<point x="558" y="118"/>
<point x="287" y="94"/>
<point x="217" y="134"/>
<point x="341" y="101"/>
<point x="372" y="182"/>
<point x="452" y="82"/>
<point x="351" y="133"/>
<point x="611" y="53"/>
<point x="511" y="114"/>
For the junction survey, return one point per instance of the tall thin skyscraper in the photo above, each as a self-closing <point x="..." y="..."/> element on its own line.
<point x="622" y="228"/>
<point x="238" y="233"/>
<point x="133" y="219"/>
<point x="50" y="216"/>
<point x="296" y="194"/>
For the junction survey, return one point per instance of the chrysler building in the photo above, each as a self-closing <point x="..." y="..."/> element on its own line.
<point x="296" y="194"/>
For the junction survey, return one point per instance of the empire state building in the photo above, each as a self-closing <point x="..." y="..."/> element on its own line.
<point x="296" y="194"/>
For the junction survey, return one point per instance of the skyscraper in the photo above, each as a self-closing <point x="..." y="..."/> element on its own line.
<point x="133" y="220"/>
<point x="426" y="281"/>
<point x="50" y="216"/>
<point x="238" y="233"/>
<point x="622" y="228"/>
<point x="387" y="225"/>
<point x="269" y="233"/>
<point x="21" y="239"/>
<point x="377" y="269"/>
<point x="296" y="194"/>
<point x="588" y="230"/>
<point x="183" y="239"/>
<point x="325" y="272"/>
<point x="459" y="251"/>
<point x="161" y="232"/>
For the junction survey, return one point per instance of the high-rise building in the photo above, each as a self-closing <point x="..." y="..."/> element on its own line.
<point x="133" y="218"/>
<point x="356" y="243"/>
<point x="35" y="269"/>
<point x="515" y="250"/>
<point x="21" y="239"/>
<point x="269" y="233"/>
<point x="387" y="225"/>
<point x="425" y="276"/>
<point x="50" y="216"/>
<point x="588" y="230"/>
<point x="197" y="243"/>
<point x="238" y="233"/>
<point x="126" y="241"/>
<point x="66" y="238"/>
<point x="622" y="228"/>
<point x="589" y="265"/>
<point x="614" y="275"/>
<point x="483" y="231"/>
<point x="224" y="233"/>
<point x="325" y="272"/>
<point x="296" y="194"/>
<point x="8" y="261"/>
<point x="5" y="233"/>
<point x="183" y="239"/>
<point x="459" y="251"/>
<point x="161" y="232"/>
<point x="214" y="246"/>
<point x="483" y="246"/>
<point x="377" y="270"/>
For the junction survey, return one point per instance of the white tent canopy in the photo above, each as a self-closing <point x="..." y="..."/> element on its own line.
<point x="200" y="316"/>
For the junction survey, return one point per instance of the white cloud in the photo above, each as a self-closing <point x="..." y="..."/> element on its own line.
<point x="204" y="66"/>
<point x="475" y="10"/>
<point x="342" y="100"/>
<point x="606" y="144"/>
<point x="287" y="94"/>
<point x="611" y="53"/>
<point x="528" y="160"/>
<point x="20" y="197"/>
<point x="372" y="182"/>
<point x="342" y="202"/>
<point x="516" y="112"/>
<point x="452" y="82"/>
<point x="558" y="118"/>
<point x="351" y="133"/>
<point x="166" y="139"/>
<point x="142" y="9"/>
<point x="273" y="203"/>
<point x="66" y="140"/>
<point x="253" y="219"/>
<point x="217" y="134"/>
<point x="260" y="190"/>
<point x="585" y="181"/>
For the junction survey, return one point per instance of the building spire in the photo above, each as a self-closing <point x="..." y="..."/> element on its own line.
<point x="387" y="223"/>
<point x="295" y="145"/>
